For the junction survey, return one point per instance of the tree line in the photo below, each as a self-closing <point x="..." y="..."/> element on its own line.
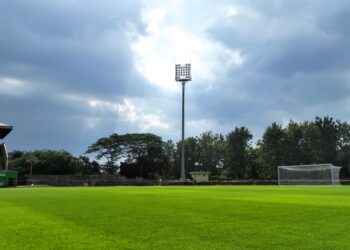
<point x="230" y="156"/>
<point x="51" y="162"/>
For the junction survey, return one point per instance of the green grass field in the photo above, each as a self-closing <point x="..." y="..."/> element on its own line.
<point x="193" y="217"/>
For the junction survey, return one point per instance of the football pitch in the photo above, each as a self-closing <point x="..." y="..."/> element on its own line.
<point x="186" y="217"/>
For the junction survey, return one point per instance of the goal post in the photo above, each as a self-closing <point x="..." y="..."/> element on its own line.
<point x="314" y="174"/>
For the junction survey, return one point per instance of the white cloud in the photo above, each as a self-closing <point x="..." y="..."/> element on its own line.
<point x="239" y="10"/>
<point x="280" y="116"/>
<point x="169" y="40"/>
<point x="131" y="113"/>
<point x="136" y="114"/>
<point x="153" y="18"/>
<point x="195" y="127"/>
<point x="232" y="11"/>
<point x="13" y="87"/>
<point x="92" y="122"/>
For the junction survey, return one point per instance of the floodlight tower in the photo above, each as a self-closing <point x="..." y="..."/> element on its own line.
<point x="183" y="75"/>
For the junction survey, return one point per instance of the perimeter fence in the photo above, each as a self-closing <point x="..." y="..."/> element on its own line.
<point x="111" y="180"/>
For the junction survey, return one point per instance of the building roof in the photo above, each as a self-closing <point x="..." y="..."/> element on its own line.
<point x="4" y="130"/>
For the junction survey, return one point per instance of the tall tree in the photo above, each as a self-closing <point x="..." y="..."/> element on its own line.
<point x="192" y="155"/>
<point x="87" y="167"/>
<point x="343" y="152"/>
<point x="143" y="154"/>
<point x="292" y="145"/>
<point x="238" y="146"/>
<point x="310" y="144"/>
<point x="135" y="146"/>
<point x="272" y="148"/>
<point x="254" y="167"/>
<point x="170" y="153"/>
<point x="329" y="138"/>
<point x="211" y="149"/>
<point x="110" y="150"/>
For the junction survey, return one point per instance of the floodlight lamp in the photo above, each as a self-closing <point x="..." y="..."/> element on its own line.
<point x="183" y="72"/>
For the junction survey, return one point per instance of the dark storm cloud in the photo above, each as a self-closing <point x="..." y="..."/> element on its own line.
<point x="62" y="48"/>
<point x="297" y="57"/>
<point x="62" y="54"/>
<point x="80" y="46"/>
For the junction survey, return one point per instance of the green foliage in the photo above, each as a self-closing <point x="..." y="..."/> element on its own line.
<point x="109" y="149"/>
<point x="323" y="140"/>
<point x="143" y="154"/>
<point x="192" y="153"/>
<point x="214" y="217"/>
<point x="272" y="148"/>
<point x="320" y="141"/>
<point x="237" y="152"/>
<point x="51" y="162"/>
<point x="170" y="154"/>
<point x="212" y="152"/>
<point x="329" y="138"/>
<point x="87" y="167"/>
<point x="203" y="153"/>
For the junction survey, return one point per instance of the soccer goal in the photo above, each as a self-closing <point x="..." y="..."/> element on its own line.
<point x="315" y="174"/>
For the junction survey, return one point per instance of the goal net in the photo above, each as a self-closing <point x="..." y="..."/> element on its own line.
<point x="315" y="174"/>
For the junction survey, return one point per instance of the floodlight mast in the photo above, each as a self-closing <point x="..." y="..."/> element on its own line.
<point x="183" y="75"/>
<point x="183" y="175"/>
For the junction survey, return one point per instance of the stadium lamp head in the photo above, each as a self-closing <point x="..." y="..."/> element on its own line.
<point x="183" y="72"/>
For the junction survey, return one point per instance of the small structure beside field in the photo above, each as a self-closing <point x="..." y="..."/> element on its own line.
<point x="200" y="176"/>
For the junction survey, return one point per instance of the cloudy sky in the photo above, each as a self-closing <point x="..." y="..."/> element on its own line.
<point x="72" y="71"/>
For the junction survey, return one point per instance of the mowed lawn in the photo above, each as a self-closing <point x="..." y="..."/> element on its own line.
<point x="188" y="217"/>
